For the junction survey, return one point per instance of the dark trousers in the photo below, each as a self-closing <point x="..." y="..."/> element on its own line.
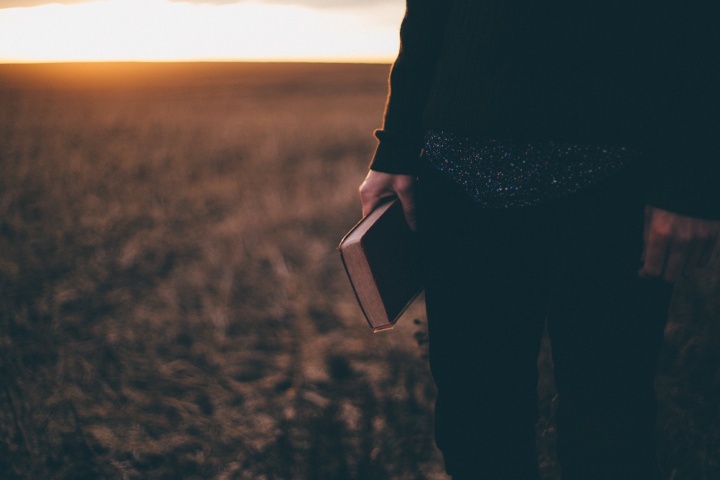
<point x="494" y="278"/>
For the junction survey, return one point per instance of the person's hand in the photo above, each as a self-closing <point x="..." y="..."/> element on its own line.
<point x="676" y="244"/>
<point x="379" y="186"/>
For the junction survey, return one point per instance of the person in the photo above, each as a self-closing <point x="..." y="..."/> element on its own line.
<point x="559" y="162"/>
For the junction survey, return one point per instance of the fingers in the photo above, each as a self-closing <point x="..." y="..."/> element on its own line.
<point x="372" y="191"/>
<point x="654" y="255"/>
<point x="369" y="203"/>
<point x="646" y="231"/>
<point x="675" y="244"/>
<point x="379" y="185"/>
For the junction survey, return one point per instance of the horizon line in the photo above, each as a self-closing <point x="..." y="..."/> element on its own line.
<point x="359" y="60"/>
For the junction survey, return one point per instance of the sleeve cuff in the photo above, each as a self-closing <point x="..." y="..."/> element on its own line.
<point x="395" y="155"/>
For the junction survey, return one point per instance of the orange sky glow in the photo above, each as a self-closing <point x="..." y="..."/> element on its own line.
<point x="165" y="30"/>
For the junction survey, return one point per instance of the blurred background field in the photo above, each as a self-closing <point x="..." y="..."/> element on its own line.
<point x="172" y="304"/>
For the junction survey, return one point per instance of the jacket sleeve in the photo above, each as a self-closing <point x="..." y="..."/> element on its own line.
<point x="686" y="157"/>
<point x="421" y="34"/>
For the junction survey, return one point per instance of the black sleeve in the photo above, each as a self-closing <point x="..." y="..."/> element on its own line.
<point x="421" y="36"/>
<point x="686" y="163"/>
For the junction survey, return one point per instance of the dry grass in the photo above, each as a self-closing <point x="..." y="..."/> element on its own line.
<point x="172" y="304"/>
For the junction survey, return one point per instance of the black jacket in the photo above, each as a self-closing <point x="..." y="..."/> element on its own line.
<point x="643" y="74"/>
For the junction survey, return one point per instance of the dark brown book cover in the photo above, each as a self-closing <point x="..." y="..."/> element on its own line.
<point x="380" y="258"/>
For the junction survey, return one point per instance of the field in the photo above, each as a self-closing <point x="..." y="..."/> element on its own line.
<point x="172" y="304"/>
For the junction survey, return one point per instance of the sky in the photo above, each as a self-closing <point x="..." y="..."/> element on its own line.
<point x="209" y="30"/>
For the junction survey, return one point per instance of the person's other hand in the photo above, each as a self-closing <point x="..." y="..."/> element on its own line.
<point x="676" y="244"/>
<point x="379" y="186"/>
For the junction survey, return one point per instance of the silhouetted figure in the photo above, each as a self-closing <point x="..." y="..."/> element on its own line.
<point x="561" y="162"/>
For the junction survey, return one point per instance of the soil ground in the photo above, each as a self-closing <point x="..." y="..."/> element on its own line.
<point x="172" y="304"/>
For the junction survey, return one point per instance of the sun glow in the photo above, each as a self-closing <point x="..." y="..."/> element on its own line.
<point x="149" y="30"/>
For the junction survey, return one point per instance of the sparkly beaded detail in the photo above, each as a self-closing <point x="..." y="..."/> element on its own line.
<point x="503" y="174"/>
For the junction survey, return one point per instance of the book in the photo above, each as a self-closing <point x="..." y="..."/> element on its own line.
<point x="380" y="258"/>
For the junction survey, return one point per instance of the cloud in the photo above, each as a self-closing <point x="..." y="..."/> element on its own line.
<point x="305" y="3"/>
<point x="35" y="3"/>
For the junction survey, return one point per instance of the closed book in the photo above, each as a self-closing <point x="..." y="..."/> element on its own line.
<point x="380" y="258"/>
